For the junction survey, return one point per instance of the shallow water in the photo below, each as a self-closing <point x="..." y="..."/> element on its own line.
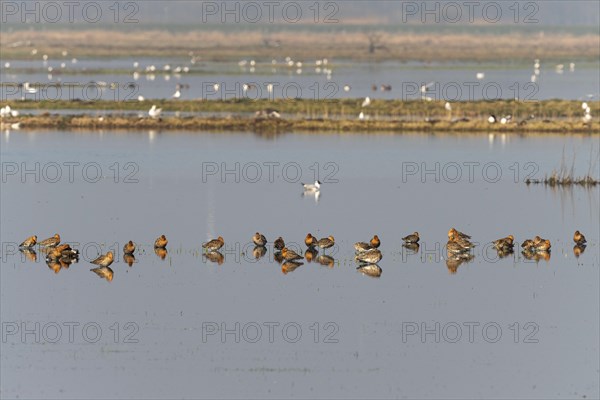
<point x="541" y="318"/>
<point x="453" y="81"/>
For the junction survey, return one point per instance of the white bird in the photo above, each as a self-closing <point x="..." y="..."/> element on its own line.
<point x="587" y="118"/>
<point x="448" y="106"/>
<point x="366" y="102"/>
<point x="177" y="94"/>
<point x="492" y="119"/>
<point x="425" y="88"/>
<point x="584" y="105"/>
<point x="28" y="88"/>
<point x="216" y="87"/>
<point x="141" y="98"/>
<point x="154" y="112"/>
<point x="505" y="120"/>
<point x="7" y="111"/>
<point x="480" y="75"/>
<point x="361" y="116"/>
<point x="312" y="187"/>
<point x="347" y="88"/>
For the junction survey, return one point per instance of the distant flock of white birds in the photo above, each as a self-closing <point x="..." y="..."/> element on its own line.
<point x="321" y="66"/>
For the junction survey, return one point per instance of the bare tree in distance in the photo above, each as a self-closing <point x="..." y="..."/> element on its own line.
<point x="376" y="42"/>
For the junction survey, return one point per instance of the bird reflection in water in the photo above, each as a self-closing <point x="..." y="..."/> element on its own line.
<point x="129" y="259"/>
<point x="453" y="261"/>
<point x="413" y="248"/>
<point x="161" y="252"/>
<point x="578" y="249"/>
<point x="310" y="254"/>
<point x="290" y="266"/>
<point x="314" y="194"/>
<point x="259" y="251"/>
<point x="214" y="256"/>
<point x="326" y="260"/>
<point x="536" y="255"/>
<point x="505" y="252"/>
<point x="29" y="254"/>
<point x="278" y="257"/>
<point x="372" y="270"/>
<point x="104" y="272"/>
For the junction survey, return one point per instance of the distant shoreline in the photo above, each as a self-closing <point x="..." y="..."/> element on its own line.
<point x="422" y="44"/>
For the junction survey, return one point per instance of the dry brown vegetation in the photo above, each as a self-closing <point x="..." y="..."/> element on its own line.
<point x="221" y="45"/>
<point x="318" y="125"/>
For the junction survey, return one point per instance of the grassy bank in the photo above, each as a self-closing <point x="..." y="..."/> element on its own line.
<point x="317" y="125"/>
<point x="547" y="110"/>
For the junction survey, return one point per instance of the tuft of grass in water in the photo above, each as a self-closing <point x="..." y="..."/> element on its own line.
<point x="565" y="177"/>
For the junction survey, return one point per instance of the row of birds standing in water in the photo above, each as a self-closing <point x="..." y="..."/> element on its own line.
<point x="367" y="254"/>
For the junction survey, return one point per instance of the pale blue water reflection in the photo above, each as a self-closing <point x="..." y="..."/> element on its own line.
<point x="358" y="335"/>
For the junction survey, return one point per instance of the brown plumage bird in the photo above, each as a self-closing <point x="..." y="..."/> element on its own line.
<point x="310" y="240"/>
<point x="414" y="238"/>
<point x="29" y="242"/>
<point x="161" y="242"/>
<point x="104" y="260"/>
<point x="527" y="244"/>
<point x="51" y="242"/>
<point x="577" y="238"/>
<point x="504" y="243"/>
<point x="543" y="245"/>
<point x="453" y="232"/>
<point x="290" y="255"/>
<point x="259" y="239"/>
<point x="214" y="244"/>
<point x="370" y="256"/>
<point x="374" y="243"/>
<point x="279" y="243"/>
<point x="62" y="251"/>
<point x="326" y="243"/>
<point x="129" y="247"/>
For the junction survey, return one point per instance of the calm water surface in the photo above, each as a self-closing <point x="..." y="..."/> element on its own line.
<point x="316" y="330"/>
<point x="453" y="81"/>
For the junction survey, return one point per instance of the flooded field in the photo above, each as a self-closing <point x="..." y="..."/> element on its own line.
<point x="66" y="78"/>
<point x="177" y="323"/>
